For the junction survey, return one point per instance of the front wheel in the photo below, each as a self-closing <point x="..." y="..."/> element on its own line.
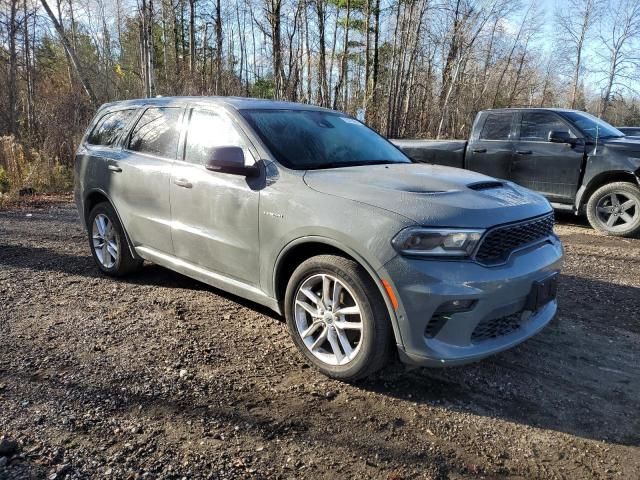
<point x="614" y="209"/>
<point x="337" y="318"/>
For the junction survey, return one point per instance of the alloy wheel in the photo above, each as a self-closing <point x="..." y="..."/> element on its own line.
<point x="617" y="210"/>
<point x="105" y="241"/>
<point x="328" y="319"/>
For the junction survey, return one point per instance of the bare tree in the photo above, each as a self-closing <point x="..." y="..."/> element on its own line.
<point x="72" y="54"/>
<point x="619" y="38"/>
<point x="574" y="20"/>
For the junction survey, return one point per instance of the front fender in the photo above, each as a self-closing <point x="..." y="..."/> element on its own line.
<point x="371" y="265"/>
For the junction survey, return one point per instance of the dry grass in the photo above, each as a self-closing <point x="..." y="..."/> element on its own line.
<point x="25" y="168"/>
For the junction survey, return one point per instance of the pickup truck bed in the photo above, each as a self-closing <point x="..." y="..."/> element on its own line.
<point x="440" y="152"/>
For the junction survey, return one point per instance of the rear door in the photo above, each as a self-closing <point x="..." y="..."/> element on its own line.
<point x="101" y="150"/>
<point x="140" y="177"/>
<point x="214" y="214"/>
<point x="490" y="150"/>
<point x="552" y="169"/>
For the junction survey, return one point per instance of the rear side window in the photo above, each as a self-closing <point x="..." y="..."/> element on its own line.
<point x="496" y="127"/>
<point x="157" y="132"/>
<point x="536" y="126"/>
<point x="109" y="128"/>
<point x="208" y="130"/>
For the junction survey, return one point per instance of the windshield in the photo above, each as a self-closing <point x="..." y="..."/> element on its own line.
<point x="309" y="139"/>
<point x="593" y="126"/>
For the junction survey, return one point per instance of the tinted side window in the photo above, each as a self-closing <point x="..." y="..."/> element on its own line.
<point x="157" y="132"/>
<point x="109" y="128"/>
<point x="208" y="130"/>
<point x="536" y="126"/>
<point x="496" y="127"/>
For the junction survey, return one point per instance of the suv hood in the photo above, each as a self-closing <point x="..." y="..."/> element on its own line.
<point x="431" y="195"/>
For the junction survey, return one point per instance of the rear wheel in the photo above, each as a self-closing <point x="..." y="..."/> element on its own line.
<point x="614" y="209"/>
<point x="337" y="318"/>
<point x="108" y="242"/>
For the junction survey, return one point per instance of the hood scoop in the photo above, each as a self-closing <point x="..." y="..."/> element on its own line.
<point x="488" y="185"/>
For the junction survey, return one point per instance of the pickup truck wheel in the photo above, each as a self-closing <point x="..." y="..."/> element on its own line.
<point x="337" y="318"/>
<point x="108" y="242"/>
<point x="614" y="209"/>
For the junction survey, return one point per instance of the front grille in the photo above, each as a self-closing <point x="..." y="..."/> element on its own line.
<point x="496" y="327"/>
<point x="499" y="242"/>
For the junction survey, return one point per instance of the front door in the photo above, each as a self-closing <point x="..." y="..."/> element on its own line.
<point x="215" y="215"/>
<point x="552" y="169"/>
<point x="491" y="152"/>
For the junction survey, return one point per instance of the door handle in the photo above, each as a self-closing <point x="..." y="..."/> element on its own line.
<point x="181" y="182"/>
<point x="114" y="168"/>
<point x="479" y="150"/>
<point x="523" y="152"/>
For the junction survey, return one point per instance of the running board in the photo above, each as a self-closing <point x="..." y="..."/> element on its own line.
<point x="567" y="207"/>
<point x="210" y="278"/>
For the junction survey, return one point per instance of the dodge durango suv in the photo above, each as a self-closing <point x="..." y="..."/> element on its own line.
<point x="309" y="212"/>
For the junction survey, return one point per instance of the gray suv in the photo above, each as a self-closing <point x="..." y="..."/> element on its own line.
<point x="313" y="214"/>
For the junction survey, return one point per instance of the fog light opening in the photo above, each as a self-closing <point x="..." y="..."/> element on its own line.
<point x="456" y="306"/>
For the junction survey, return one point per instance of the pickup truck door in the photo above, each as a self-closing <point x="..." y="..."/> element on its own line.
<point x="552" y="169"/>
<point x="214" y="215"/>
<point x="490" y="149"/>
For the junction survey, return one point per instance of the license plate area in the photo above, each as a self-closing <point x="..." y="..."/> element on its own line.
<point x="542" y="292"/>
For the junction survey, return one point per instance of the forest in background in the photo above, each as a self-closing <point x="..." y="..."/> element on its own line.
<point x="408" y="68"/>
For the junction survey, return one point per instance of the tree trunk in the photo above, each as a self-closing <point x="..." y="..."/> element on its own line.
<point x="274" y="15"/>
<point x="376" y="60"/>
<point x="28" y="69"/>
<point x="342" y="79"/>
<point x="192" y="36"/>
<point x="72" y="55"/>
<point x="13" y="67"/>
<point x="323" y="89"/>
<point x="219" y="40"/>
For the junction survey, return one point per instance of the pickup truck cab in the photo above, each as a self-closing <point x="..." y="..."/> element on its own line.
<point x="577" y="161"/>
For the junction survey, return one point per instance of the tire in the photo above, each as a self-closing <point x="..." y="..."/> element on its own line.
<point x="607" y="213"/>
<point x="115" y="263"/>
<point x="370" y="343"/>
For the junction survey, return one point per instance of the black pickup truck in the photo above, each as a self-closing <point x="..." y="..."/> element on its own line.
<point x="577" y="161"/>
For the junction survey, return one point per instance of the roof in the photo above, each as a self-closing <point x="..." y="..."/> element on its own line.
<point x="238" y="103"/>
<point x="552" y="109"/>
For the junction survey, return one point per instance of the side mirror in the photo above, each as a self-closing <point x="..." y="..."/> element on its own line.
<point x="230" y="160"/>
<point x="556" y="136"/>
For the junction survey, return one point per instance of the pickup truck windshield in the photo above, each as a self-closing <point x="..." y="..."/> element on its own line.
<point x="311" y="139"/>
<point x="593" y="126"/>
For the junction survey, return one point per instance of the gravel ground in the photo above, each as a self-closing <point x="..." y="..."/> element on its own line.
<point x="159" y="376"/>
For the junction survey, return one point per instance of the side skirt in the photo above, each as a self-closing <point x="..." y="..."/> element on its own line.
<point x="566" y="207"/>
<point x="210" y="278"/>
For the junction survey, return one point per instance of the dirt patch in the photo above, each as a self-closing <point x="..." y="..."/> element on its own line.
<point x="159" y="376"/>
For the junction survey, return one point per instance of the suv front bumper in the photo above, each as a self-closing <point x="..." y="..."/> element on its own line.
<point x="497" y="319"/>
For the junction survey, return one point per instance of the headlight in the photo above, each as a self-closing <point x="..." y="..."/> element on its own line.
<point x="440" y="242"/>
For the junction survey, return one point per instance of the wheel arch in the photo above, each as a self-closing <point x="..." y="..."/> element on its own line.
<point x="93" y="198"/>
<point x="302" y="249"/>
<point x="602" y="179"/>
